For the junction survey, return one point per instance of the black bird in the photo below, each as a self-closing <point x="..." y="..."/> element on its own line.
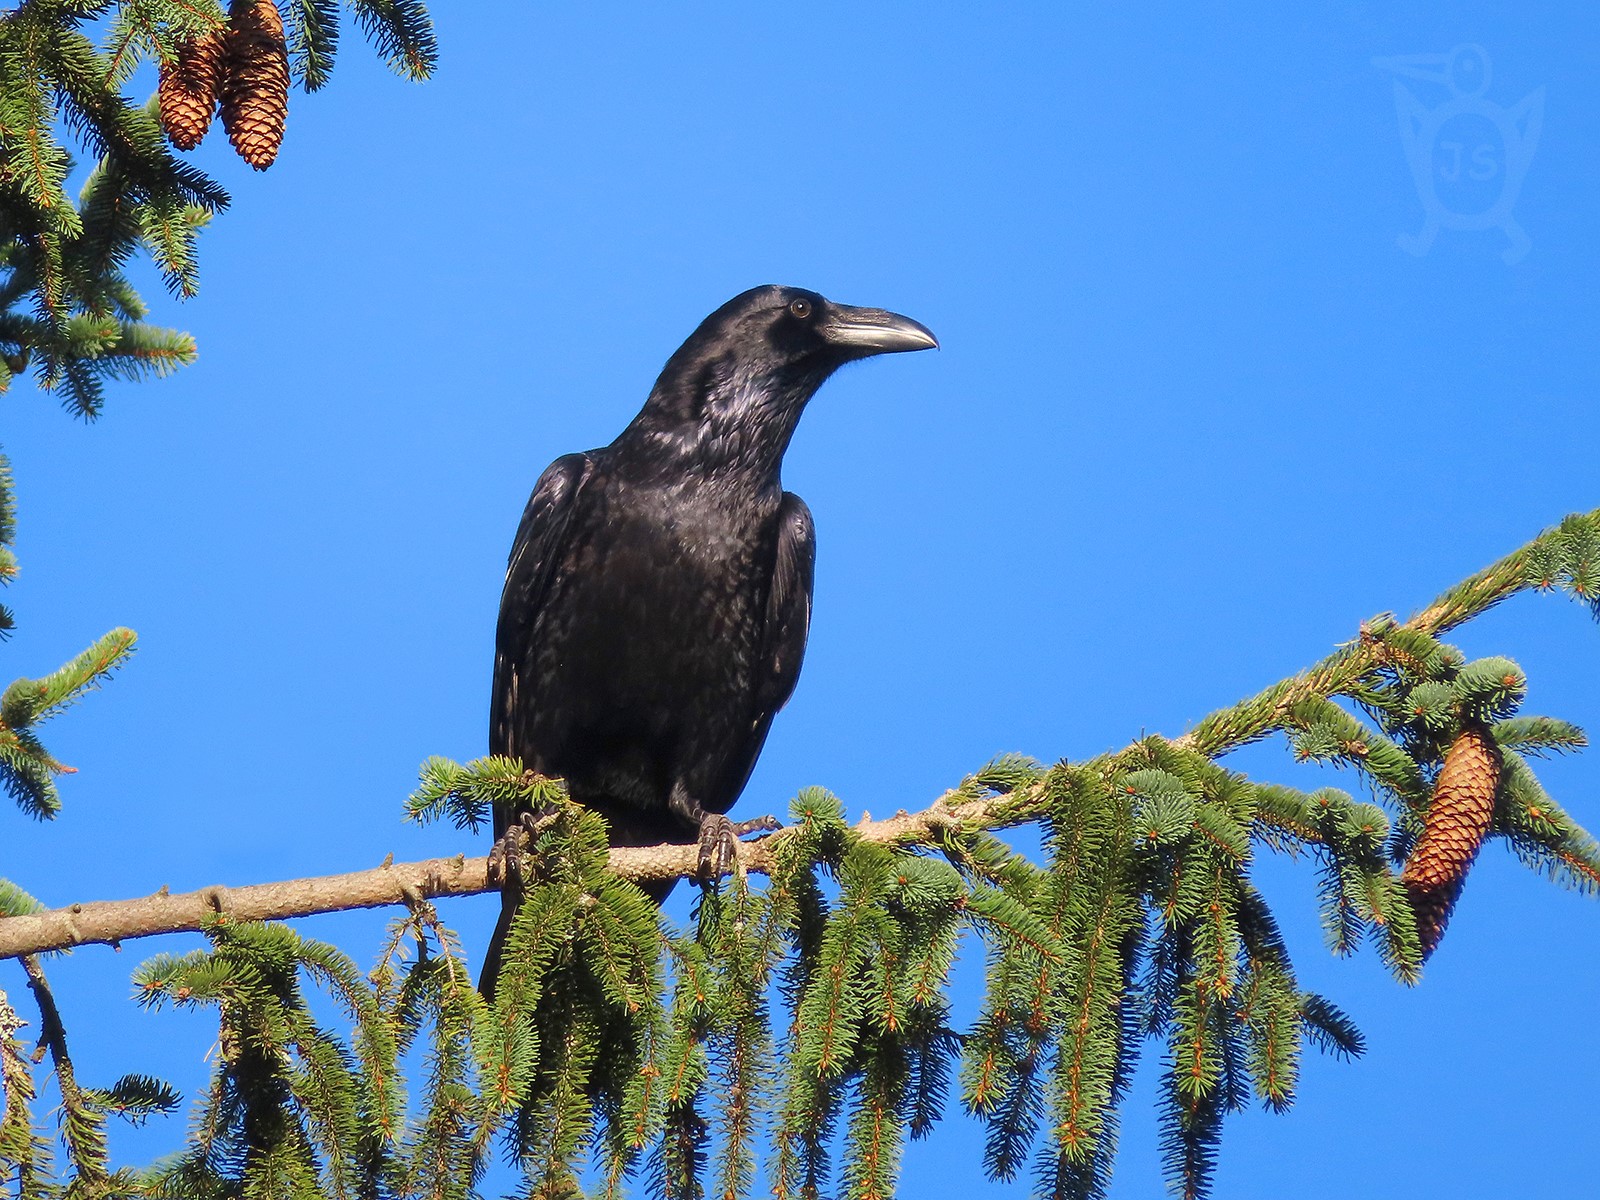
<point x="658" y="594"/>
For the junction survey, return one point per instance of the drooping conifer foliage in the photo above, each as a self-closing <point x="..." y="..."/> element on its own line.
<point x="799" y="1033"/>
<point x="67" y="308"/>
<point x="70" y="314"/>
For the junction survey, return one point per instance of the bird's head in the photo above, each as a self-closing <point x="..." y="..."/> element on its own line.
<point x="733" y="392"/>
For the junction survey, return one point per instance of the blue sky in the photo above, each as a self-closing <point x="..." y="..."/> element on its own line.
<point x="1197" y="413"/>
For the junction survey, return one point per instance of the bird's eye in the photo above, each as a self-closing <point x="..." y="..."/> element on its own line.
<point x="800" y="308"/>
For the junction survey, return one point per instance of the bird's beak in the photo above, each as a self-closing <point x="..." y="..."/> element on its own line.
<point x="865" y="331"/>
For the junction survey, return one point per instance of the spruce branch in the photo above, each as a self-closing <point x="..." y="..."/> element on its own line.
<point x="82" y="1120"/>
<point x="1009" y="792"/>
<point x="24" y="1151"/>
<point x="84" y="323"/>
<point x="1144" y="926"/>
<point x="27" y="769"/>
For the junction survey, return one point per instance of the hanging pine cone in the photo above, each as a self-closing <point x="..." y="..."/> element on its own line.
<point x="255" y="87"/>
<point x="1457" y="820"/>
<point x="187" y="90"/>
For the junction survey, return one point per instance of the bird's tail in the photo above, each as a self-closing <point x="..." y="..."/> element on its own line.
<point x="510" y="899"/>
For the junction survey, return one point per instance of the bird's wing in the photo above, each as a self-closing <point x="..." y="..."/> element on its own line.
<point x="541" y="537"/>
<point x="535" y="556"/>
<point x="788" y="607"/>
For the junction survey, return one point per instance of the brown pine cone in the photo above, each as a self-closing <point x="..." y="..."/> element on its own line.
<point x="255" y="87"/>
<point x="1457" y="820"/>
<point x="187" y="90"/>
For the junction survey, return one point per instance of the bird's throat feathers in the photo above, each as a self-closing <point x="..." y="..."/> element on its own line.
<point x="724" y="417"/>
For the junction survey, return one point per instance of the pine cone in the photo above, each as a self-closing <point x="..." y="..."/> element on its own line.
<point x="255" y="88"/>
<point x="187" y="90"/>
<point x="1458" y="818"/>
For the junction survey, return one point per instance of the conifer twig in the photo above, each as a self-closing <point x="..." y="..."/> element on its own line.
<point x="110" y="922"/>
<point x="81" y="1124"/>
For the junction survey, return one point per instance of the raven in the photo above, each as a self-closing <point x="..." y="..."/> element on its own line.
<point x="658" y="593"/>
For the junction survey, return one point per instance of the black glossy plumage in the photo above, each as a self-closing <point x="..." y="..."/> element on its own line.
<point x="658" y="593"/>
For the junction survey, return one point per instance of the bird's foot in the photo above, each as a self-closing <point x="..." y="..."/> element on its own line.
<point x="511" y="847"/>
<point x="719" y="842"/>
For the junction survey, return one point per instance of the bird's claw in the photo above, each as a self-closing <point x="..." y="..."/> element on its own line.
<point x="766" y="824"/>
<point x="509" y="850"/>
<point x="719" y="842"/>
<point x="719" y="847"/>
